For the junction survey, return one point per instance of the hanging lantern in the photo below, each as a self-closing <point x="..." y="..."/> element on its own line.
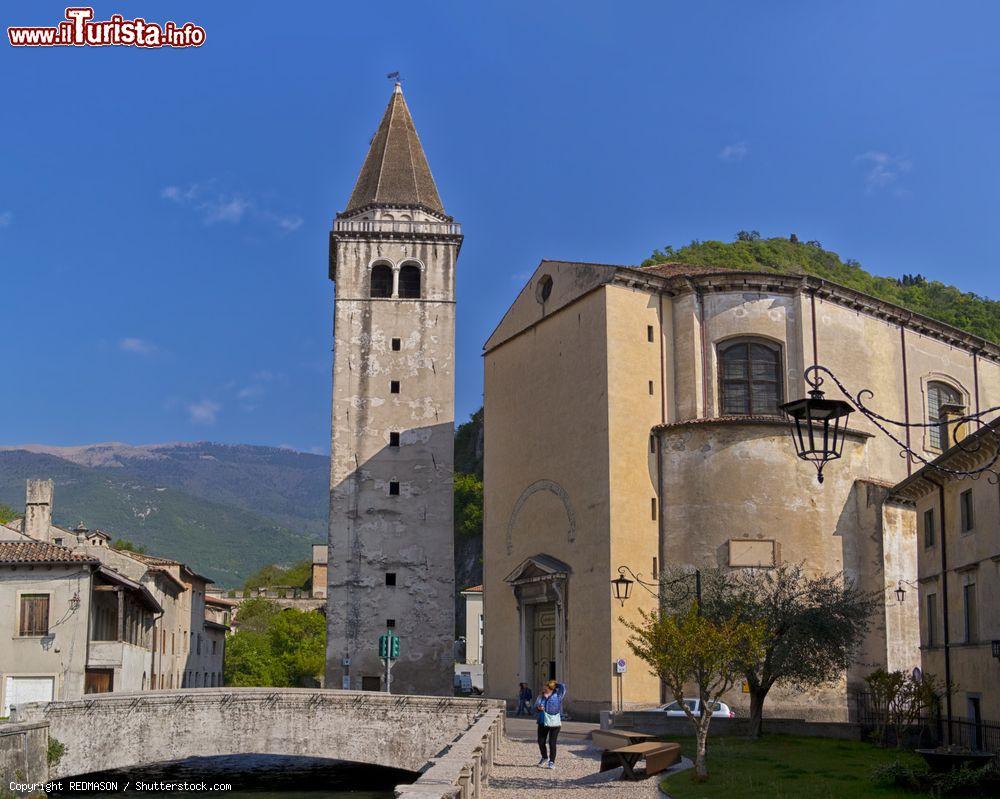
<point x="900" y="593"/>
<point x="818" y="428"/>
<point x="622" y="587"/>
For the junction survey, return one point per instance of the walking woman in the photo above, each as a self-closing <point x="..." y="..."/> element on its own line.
<point x="549" y="707"/>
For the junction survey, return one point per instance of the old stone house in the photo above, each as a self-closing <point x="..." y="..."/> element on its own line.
<point x="632" y="420"/>
<point x="96" y="618"/>
<point x="390" y="566"/>
<point x="957" y="589"/>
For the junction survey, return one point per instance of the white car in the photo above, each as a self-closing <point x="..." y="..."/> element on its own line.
<point x="719" y="709"/>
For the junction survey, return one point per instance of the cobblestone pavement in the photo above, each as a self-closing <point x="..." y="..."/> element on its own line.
<point x="516" y="775"/>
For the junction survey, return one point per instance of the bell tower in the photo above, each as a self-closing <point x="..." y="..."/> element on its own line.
<point x="391" y="552"/>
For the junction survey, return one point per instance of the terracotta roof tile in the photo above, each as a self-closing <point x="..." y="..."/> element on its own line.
<point x="676" y="269"/>
<point x="474" y="588"/>
<point x="38" y="552"/>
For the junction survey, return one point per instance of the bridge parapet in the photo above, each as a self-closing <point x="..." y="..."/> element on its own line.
<point x="108" y="731"/>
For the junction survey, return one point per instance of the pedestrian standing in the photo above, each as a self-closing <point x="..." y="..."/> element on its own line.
<point x="523" y="700"/>
<point x="549" y="707"/>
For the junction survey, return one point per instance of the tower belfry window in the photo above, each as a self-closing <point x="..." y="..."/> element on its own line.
<point x="409" y="282"/>
<point x="381" y="280"/>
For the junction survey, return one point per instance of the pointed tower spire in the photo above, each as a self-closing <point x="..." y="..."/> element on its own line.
<point x="395" y="171"/>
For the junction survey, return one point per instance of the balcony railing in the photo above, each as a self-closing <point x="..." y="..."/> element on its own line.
<point x="396" y="226"/>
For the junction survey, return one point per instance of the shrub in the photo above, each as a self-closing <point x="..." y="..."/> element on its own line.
<point x="899" y="774"/>
<point x="55" y="751"/>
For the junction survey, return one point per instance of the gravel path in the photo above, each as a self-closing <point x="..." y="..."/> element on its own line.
<point x="515" y="775"/>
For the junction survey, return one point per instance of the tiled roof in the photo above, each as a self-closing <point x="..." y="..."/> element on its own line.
<point x="676" y="269"/>
<point x="474" y="588"/>
<point x="38" y="552"/>
<point x="395" y="171"/>
<point x="152" y="560"/>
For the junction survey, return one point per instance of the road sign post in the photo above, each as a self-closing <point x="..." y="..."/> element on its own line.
<point x="388" y="651"/>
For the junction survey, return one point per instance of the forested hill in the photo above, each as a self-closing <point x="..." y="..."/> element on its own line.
<point x="971" y="312"/>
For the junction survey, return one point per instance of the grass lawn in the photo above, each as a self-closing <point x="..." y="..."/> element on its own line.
<point x="786" y="767"/>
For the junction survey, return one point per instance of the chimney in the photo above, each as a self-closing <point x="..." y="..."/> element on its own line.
<point x="38" y="509"/>
<point x="955" y="430"/>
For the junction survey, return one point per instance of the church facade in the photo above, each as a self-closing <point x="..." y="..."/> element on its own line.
<point x="393" y="253"/>
<point x="631" y="419"/>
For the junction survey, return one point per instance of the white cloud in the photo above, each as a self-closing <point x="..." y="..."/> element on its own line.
<point x="204" y="412"/>
<point x="6" y="217"/>
<point x="883" y="170"/>
<point x="137" y="345"/>
<point x="736" y="151"/>
<point x="214" y="205"/>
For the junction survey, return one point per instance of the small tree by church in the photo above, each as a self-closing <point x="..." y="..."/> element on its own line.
<point x="688" y="648"/>
<point x="814" y="624"/>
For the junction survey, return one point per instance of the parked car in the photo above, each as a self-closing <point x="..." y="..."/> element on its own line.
<point x="719" y="709"/>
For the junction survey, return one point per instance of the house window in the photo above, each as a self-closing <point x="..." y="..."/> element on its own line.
<point x="650" y="387"/>
<point x="965" y="505"/>
<point x="390" y="578"/>
<point x="749" y="378"/>
<point x="970" y="613"/>
<point x="939" y="395"/>
<point x="652" y="443"/>
<point x="393" y="488"/>
<point x="652" y="507"/>
<point x="393" y="439"/>
<point x="214" y="645"/>
<point x="34" y="614"/>
<point x="381" y="280"/>
<point x="649" y="332"/>
<point x="390" y="623"/>
<point x="930" y="535"/>
<point x="931" y="621"/>
<point x="397" y="344"/>
<point x="393" y="386"/>
<point x="409" y="282"/>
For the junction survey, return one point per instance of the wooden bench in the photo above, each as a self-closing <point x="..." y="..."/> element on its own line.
<point x="612" y="739"/>
<point x="659" y="756"/>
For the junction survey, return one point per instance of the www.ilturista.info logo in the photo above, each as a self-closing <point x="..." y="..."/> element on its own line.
<point x="79" y="30"/>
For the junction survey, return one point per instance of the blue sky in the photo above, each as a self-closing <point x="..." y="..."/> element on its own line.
<point x="164" y="214"/>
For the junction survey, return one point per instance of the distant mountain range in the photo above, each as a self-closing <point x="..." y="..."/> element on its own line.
<point x="225" y="510"/>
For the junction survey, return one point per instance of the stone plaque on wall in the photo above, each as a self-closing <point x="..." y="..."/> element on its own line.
<point x="752" y="552"/>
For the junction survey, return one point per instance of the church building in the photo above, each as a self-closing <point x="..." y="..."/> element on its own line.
<point x="391" y="564"/>
<point x="632" y="419"/>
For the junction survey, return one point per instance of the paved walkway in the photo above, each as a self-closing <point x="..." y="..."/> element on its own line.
<point x="516" y="775"/>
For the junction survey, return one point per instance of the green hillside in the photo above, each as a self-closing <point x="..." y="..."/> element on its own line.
<point x="221" y="540"/>
<point x="971" y="312"/>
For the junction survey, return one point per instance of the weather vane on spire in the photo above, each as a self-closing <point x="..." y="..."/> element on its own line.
<point x="394" y="76"/>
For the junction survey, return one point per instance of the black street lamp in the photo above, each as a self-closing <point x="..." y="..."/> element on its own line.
<point x="818" y="431"/>
<point x="622" y="586"/>
<point x="818" y="426"/>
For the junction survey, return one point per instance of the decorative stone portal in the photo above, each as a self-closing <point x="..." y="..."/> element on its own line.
<point x="540" y="584"/>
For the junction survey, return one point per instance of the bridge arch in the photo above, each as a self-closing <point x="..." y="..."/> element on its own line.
<point x="110" y="731"/>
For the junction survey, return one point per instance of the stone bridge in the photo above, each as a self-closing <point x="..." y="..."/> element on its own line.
<point x="449" y="741"/>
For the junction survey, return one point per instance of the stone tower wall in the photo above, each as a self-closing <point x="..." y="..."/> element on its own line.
<point x="373" y="532"/>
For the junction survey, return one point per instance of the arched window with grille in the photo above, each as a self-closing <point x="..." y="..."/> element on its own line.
<point x="381" y="281"/>
<point x="940" y="395"/>
<point x="409" y="282"/>
<point x="750" y="378"/>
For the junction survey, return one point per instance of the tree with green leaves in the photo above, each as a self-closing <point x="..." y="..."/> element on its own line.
<point x="275" y="647"/>
<point x="687" y="647"/>
<point x="124" y="545"/>
<point x="814" y="624"/>
<point x="468" y="505"/>
<point x="7" y="514"/>
<point x="298" y="575"/>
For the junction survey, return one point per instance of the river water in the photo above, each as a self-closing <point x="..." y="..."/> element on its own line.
<point x="250" y="777"/>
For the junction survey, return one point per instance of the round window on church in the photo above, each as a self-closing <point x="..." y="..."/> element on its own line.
<point x="543" y="288"/>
